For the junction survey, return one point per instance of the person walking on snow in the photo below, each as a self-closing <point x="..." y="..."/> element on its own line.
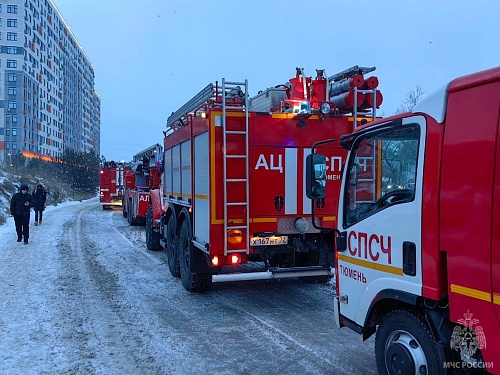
<point x="39" y="198"/>
<point x="20" y="206"/>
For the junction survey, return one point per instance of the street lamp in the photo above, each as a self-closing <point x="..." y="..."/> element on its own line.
<point x="10" y="159"/>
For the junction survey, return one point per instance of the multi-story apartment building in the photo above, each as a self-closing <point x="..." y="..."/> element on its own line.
<point x="47" y="98"/>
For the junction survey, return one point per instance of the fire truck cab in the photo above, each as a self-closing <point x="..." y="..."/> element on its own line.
<point x="418" y="231"/>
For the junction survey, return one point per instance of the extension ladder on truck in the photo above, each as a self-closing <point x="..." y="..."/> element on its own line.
<point x="229" y="88"/>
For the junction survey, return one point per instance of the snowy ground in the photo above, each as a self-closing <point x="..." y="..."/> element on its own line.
<point x="86" y="297"/>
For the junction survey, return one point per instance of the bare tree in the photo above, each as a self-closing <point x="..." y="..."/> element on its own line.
<point x="412" y="98"/>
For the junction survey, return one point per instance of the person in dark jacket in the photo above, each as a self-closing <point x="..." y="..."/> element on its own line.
<point x="39" y="198"/>
<point x="20" y="206"/>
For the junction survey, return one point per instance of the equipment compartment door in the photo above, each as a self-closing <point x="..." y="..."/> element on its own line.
<point x="267" y="189"/>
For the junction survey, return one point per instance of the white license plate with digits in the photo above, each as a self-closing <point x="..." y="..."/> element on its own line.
<point x="268" y="241"/>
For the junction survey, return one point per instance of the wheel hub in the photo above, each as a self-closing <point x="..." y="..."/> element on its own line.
<point x="399" y="360"/>
<point x="404" y="355"/>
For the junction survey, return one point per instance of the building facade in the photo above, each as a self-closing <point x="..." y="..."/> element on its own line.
<point x="48" y="102"/>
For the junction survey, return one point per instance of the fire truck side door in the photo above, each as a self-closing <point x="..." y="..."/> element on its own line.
<point x="380" y="209"/>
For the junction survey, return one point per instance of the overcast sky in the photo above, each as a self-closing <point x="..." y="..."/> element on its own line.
<point x="151" y="56"/>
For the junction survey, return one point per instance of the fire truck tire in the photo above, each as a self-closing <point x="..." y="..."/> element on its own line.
<point x="192" y="282"/>
<point x="404" y="345"/>
<point x="152" y="237"/>
<point x="124" y="210"/>
<point x="130" y="217"/>
<point x="172" y="247"/>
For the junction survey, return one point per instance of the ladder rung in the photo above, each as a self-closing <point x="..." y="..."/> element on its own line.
<point x="236" y="180"/>
<point x="236" y="203"/>
<point x="236" y="156"/>
<point x="237" y="227"/>
<point x="235" y="83"/>
<point x="236" y="132"/>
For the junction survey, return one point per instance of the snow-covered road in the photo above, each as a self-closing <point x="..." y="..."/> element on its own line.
<point x="86" y="297"/>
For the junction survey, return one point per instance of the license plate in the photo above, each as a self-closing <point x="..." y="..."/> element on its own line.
<point x="268" y="241"/>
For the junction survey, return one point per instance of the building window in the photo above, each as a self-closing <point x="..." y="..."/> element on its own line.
<point x="12" y="50"/>
<point x="11" y="36"/>
<point x="14" y="145"/>
<point x="12" y="77"/>
<point x="12" y="9"/>
<point x="14" y="118"/>
<point x="11" y="63"/>
<point x="12" y="104"/>
<point x="14" y="132"/>
<point x="12" y="91"/>
<point x="11" y="22"/>
<point x="7" y="131"/>
<point x="7" y="145"/>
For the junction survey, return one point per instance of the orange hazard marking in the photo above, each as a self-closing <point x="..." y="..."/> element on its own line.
<point x="373" y="266"/>
<point x="473" y="293"/>
<point x="329" y="218"/>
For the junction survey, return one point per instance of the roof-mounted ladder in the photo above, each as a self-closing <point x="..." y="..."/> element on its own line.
<point x="197" y="100"/>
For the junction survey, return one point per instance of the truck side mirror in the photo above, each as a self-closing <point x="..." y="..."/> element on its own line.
<point x="315" y="176"/>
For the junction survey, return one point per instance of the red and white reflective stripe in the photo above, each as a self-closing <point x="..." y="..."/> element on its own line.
<point x="306" y="202"/>
<point x="291" y="181"/>
<point x="296" y="201"/>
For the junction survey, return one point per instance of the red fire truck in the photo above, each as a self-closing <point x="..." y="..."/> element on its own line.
<point x="143" y="175"/>
<point x="111" y="184"/>
<point x="233" y="187"/>
<point x="418" y="238"/>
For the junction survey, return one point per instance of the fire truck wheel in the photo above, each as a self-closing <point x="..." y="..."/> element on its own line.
<point x="172" y="248"/>
<point x="152" y="237"/>
<point x="192" y="282"/>
<point x="124" y="211"/>
<point x="130" y="217"/>
<point x="404" y="345"/>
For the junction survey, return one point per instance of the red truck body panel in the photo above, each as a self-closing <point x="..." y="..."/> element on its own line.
<point x="469" y="200"/>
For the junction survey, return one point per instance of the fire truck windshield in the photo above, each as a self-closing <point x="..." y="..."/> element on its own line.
<point x="381" y="172"/>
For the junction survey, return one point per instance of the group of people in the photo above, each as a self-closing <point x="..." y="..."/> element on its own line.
<point x="20" y="207"/>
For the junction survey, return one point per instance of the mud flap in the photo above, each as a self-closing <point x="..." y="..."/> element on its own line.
<point x="200" y="262"/>
<point x="336" y="312"/>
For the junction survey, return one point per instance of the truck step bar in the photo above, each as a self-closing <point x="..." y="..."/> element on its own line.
<point x="275" y="273"/>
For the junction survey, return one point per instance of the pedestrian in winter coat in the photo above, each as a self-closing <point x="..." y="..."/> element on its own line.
<point x="39" y="198"/>
<point x="20" y="206"/>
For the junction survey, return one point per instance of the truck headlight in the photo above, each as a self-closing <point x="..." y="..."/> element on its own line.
<point x="301" y="224"/>
<point x="324" y="108"/>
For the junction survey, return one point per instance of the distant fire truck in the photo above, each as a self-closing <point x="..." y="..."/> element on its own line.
<point x="111" y="184"/>
<point x="233" y="182"/>
<point x="143" y="175"/>
<point x="418" y="231"/>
